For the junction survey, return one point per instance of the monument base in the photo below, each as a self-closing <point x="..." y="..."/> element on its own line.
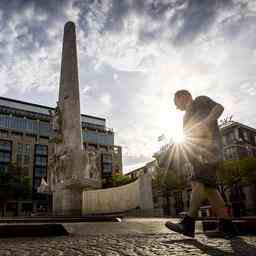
<point x="67" y="202"/>
<point x="67" y="197"/>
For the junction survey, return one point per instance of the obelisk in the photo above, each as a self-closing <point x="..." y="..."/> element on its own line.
<point x="69" y="99"/>
<point x="70" y="167"/>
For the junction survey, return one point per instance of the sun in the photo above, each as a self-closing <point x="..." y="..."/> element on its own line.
<point x="178" y="137"/>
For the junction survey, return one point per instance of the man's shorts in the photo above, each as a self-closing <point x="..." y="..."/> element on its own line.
<point x="205" y="173"/>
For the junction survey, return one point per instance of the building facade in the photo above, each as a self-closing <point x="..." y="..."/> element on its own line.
<point x="238" y="140"/>
<point x="25" y="140"/>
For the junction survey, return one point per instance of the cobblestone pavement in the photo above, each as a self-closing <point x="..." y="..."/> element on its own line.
<point x="128" y="238"/>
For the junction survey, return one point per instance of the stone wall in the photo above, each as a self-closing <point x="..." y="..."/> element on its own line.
<point x="134" y="195"/>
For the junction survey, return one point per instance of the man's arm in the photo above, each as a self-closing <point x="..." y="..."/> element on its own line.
<point x="216" y="109"/>
<point x="215" y="113"/>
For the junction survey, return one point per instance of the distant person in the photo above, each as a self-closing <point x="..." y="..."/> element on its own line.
<point x="203" y="150"/>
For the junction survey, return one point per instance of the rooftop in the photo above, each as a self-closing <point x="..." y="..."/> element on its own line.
<point x="229" y="124"/>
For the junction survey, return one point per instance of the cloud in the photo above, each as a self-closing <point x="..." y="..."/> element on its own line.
<point x="133" y="55"/>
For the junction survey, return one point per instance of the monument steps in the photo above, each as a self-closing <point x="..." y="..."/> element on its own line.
<point x="61" y="219"/>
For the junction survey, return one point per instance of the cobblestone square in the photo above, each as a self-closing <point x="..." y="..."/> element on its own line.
<point x="131" y="237"/>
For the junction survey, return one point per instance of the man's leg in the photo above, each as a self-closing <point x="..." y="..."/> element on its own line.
<point x="197" y="197"/>
<point x="187" y="225"/>
<point x="217" y="202"/>
<point x="226" y="228"/>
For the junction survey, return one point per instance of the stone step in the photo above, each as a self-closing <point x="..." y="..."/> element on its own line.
<point x="62" y="219"/>
<point x="32" y="230"/>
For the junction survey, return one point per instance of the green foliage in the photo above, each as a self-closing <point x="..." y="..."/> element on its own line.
<point x="163" y="157"/>
<point x="14" y="185"/>
<point x="117" y="180"/>
<point x="233" y="171"/>
<point x="167" y="180"/>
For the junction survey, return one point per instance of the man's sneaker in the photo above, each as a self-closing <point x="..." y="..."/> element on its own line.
<point x="186" y="227"/>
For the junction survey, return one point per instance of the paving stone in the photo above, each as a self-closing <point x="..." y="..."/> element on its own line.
<point x="137" y="241"/>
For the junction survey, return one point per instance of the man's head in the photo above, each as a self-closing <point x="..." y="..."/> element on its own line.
<point x="182" y="99"/>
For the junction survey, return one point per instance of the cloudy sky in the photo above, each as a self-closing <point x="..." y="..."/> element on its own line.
<point x="133" y="55"/>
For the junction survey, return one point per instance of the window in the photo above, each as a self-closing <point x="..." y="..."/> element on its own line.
<point x="4" y="121"/>
<point x="106" y="165"/>
<point x="26" y="159"/>
<point x="224" y="140"/>
<point x="230" y="137"/>
<point x="27" y="153"/>
<point x="103" y="149"/>
<point x="41" y="149"/>
<point x="20" y="148"/>
<point x="19" y="159"/>
<point x="18" y="123"/>
<point x="40" y="171"/>
<point x="106" y="158"/>
<point x="31" y="126"/>
<point x="245" y="135"/>
<point x="41" y="160"/>
<point x="40" y="166"/>
<point x="5" y="154"/>
<point x="44" y="128"/>
<point x="107" y="169"/>
<point x="5" y="145"/>
<point x="231" y="153"/>
<point x="27" y="149"/>
<point x="23" y="154"/>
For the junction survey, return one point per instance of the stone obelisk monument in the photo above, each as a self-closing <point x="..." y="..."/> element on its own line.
<point x="71" y="171"/>
<point x="69" y="98"/>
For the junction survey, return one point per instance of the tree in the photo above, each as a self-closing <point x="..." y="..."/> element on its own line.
<point x="117" y="180"/>
<point x="232" y="171"/>
<point x="14" y="184"/>
<point x="232" y="174"/>
<point x="165" y="181"/>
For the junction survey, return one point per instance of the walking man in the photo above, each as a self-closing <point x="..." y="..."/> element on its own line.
<point x="203" y="150"/>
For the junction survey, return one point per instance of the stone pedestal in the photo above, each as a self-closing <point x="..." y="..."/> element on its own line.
<point x="67" y="202"/>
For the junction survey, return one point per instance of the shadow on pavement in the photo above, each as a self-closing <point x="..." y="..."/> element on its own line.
<point x="240" y="247"/>
<point x="210" y="250"/>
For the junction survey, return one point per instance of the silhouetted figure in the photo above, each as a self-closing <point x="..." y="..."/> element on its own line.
<point x="203" y="150"/>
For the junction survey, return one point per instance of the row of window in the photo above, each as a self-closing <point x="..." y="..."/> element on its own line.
<point x="44" y="128"/>
<point x="98" y="138"/>
<point x="231" y="153"/>
<point x="25" y="125"/>
<point x="239" y="135"/>
<point x="238" y="152"/>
